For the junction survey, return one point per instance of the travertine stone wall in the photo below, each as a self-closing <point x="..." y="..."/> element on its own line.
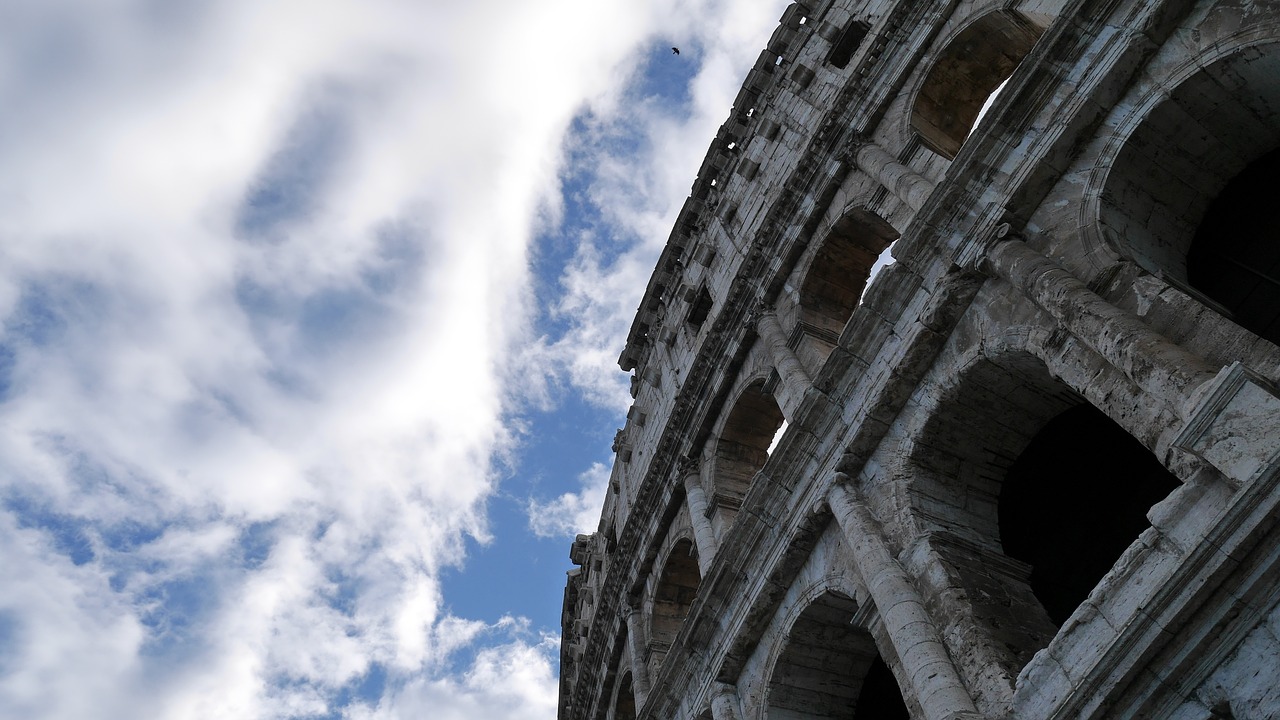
<point x="873" y="314"/>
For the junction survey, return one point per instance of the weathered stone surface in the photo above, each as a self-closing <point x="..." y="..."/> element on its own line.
<point x="864" y="561"/>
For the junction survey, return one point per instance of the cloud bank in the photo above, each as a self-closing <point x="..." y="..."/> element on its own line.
<point x="265" y="294"/>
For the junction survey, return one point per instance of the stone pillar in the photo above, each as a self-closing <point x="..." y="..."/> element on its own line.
<point x="795" y="381"/>
<point x="724" y="703"/>
<point x="911" y="187"/>
<point x="635" y="642"/>
<point x="934" y="679"/>
<point x="1154" y="363"/>
<point x="703" y="533"/>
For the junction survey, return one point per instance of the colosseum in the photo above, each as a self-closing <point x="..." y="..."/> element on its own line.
<point x="956" y="382"/>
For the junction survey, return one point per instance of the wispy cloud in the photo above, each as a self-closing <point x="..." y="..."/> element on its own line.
<point x="264" y="271"/>
<point x="572" y="512"/>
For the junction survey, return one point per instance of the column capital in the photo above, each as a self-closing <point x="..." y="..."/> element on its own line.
<point x="758" y="312"/>
<point x="973" y="256"/>
<point x="688" y="465"/>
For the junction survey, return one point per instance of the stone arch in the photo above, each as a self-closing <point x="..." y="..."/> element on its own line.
<point x="835" y="278"/>
<point x="1183" y="194"/>
<point x="624" y="701"/>
<point x="831" y="668"/>
<point x="742" y="447"/>
<point x="673" y="595"/>
<point x="971" y="67"/>
<point x="1013" y="476"/>
<point x="1047" y="511"/>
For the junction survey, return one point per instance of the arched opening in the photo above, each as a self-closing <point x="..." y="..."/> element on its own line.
<point x="832" y="669"/>
<point x="1187" y="196"/>
<point x="1012" y="523"/>
<point x="624" y="705"/>
<point x="743" y="446"/>
<point x="673" y="596"/>
<point x="1235" y="256"/>
<point x="971" y="68"/>
<point x="1074" y="500"/>
<point x="980" y="423"/>
<point x="836" y="278"/>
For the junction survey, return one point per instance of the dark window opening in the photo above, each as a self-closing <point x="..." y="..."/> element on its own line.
<point x="880" y="698"/>
<point x="848" y="43"/>
<point x="675" y="592"/>
<point x="625" y="708"/>
<point x="1074" y="500"/>
<point x="832" y="670"/>
<point x="743" y="446"/>
<point x="1235" y="257"/>
<point x="966" y="74"/>
<point x="700" y="308"/>
<point x="840" y="270"/>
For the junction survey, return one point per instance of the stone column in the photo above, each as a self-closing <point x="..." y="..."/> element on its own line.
<point x="635" y="642"/>
<point x="911" y="187"/>
<point x="795" y="380"/>
<point x="934" y="679"/>
<point x="1154" y="363"/>
<point x="703" y="533"/>
<point x="724" y="703"/>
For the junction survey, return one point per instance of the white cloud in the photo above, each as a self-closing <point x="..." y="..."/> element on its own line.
<point x="639" y="196"/>
<point x="572" y="512"/>
<point x="513" y="680"/>
<point x="264" y="272"/>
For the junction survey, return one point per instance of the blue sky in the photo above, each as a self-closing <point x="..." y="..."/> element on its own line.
<point x="309" y="319"/>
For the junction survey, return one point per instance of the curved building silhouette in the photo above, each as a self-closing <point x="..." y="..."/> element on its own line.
<point x="956" y="382"/>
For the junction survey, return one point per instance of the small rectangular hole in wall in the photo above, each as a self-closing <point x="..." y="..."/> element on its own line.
<point x="699" y="308"/>
<point x="848" y="43"/>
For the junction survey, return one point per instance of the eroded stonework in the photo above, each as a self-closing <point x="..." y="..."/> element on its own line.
<point x="952" y="412"/>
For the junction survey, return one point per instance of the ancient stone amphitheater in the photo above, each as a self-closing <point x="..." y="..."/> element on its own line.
<point x="955" y="385"/>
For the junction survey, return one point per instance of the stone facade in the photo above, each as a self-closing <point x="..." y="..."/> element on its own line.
<point x="944" y="420"/>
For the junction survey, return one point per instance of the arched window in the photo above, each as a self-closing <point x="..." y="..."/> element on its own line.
<point x="673" y="596"/>
<point x="836" y="278"/>
<point x="832" y="669"/>
<point x="1074" y="500"/>
<point x="1235" y="256"/>
<point x="743" y="446"/>
<point x="1188" y="195"/>
<point x="967" y="72"/>
<point x="1029" y="496"/>
<point x="624" y="705"/>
